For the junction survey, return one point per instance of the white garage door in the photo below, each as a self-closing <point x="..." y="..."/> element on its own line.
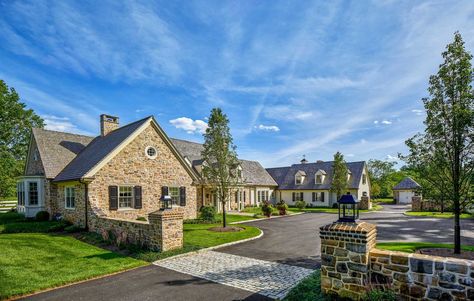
<point x="405" y="197"/>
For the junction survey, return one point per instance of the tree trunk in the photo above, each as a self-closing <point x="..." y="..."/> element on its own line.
<point x="224" y="224"/>
<point x="456" y="200"/>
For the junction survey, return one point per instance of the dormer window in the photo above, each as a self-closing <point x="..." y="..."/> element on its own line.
<point x="349" y="175"/>
<point x="319" y="176"/>
<point x="299" y="177"/>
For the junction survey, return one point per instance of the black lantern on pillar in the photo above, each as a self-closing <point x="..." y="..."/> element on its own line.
<point x="166" y="202"/>
<point x="348" y="209"/>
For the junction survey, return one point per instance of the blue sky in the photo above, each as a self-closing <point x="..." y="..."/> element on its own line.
<point x="294" y="77"/>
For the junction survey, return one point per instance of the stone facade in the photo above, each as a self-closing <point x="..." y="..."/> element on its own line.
<point x="132" y="167"/>
<point x="75" y="215"/>
<point x="345" y="258"/>
<point x="162" y="232"/>
<point x="351" y="265"/>
<point x="365" y="203"/>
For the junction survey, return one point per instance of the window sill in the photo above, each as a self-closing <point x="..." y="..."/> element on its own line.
<point x="70" y="208"/>
<point x="126" y="209"/>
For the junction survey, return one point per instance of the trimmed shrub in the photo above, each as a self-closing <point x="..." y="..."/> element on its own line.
<point x="335" y="205"/>
<point x="59" y="226"/>
<point x="267" y="209"/>
<point x="208" y="213"/>
<point x="141" y="218"/>
<point x="282" y="207"/>
<point x="300" y="205"/>
<point x="42" y="216"/>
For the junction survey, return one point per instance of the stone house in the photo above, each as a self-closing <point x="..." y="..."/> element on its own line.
<point x="122" y="173"/>
<point x="404" y="191"/>
<point x="311" y="182"/>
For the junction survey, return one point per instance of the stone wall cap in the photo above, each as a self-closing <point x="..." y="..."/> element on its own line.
<point x="361" y="227"/>
<point x="172" y="211"/>
<point x="124" y="220"/>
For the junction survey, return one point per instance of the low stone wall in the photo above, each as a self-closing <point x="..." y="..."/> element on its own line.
<point x="365" y="203"/>
<point x="351" y="266"/>
<point x="162" y="232"/>
<point x="420" y="205"/>
<point x="422" y="277"/>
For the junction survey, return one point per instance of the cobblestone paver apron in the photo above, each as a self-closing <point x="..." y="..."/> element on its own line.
<point x="267" y="278"/>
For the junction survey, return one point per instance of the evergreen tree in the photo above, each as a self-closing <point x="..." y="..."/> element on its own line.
<point x="220" y="163"/>
<point x="339" y="182"/>
<point x="447" y="145"/>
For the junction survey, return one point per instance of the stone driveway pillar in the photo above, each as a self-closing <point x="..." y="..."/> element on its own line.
<point x="167" y="226"/>
<point x="345" y="263"/>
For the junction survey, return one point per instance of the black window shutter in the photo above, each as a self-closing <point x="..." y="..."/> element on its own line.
<point x="322" y="196"/>
<point x="164" y="191"/>
<point x="182" y="196"/>
<point x="137" y="193"/>
<point x="301" y="196"/>
<point x="314" y="196"/>
<point x="113" y="197"/>
<point x="294" y="196"/>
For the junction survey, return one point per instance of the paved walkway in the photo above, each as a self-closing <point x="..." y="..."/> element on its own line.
<point x="266" y="278"/>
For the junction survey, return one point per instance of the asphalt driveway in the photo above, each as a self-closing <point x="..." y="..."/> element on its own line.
<point x="295" y="240"/>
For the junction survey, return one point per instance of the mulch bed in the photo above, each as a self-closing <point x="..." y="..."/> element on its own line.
<point x="226" y="229"/>
<point x="444" y="252"/>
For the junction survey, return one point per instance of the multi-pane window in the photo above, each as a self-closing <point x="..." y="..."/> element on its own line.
<point x="299" y="179"/>
<point x="33" y="193"/>
<point x="70" y="197"/>
<point x="125" y="196"/>
<point x="174" y="194"/>
<point x="318" y="196"/>
<point x="20" y="188"/>
<point x="298" y="196"/>
<point x="319" y="179"/>
<point x="262" y="195"/>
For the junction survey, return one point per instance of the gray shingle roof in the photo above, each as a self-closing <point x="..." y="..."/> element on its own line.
<point x="285" y="176"/>
<point x="407" y="183"/>
<point x="58" y="149"/>
<point x="97" y="150"/>
<point x="252" y="171"/>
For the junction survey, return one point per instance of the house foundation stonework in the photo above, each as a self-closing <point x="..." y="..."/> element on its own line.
<point x="351" y="266"/>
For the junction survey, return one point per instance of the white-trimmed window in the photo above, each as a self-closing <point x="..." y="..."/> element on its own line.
<point x="151" y="152"/>
<point x="125" y="197"/>
<point x="299" y="177"/>
<point x="174" y="194"/>
<point x="69" y="197"/>
<point x="20" y="189"/>
<point x="319" y="179"/>
<point x="262" y="195"/>
<point x="33" y="193"/>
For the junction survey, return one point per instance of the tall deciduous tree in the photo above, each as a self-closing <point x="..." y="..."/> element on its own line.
<point x="15" y="124"/>
<point x="448" y="140"/>
<point x="379" y="174"/>
<point x="220" y="163"/>
<point x="339" y="182"/>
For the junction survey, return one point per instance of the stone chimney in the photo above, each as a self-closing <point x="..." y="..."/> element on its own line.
<point x="108" y="123"/>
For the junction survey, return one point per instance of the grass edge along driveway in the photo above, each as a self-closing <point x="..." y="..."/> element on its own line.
<point x="31" y="262"/>
<point x="438" y="214"/>
<point x="412" y="247"/>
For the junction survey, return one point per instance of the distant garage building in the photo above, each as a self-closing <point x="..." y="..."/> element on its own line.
<point x="405" y="190"/>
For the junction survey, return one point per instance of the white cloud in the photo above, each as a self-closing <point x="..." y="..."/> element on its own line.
<point x="386" y="122"/>
<point x="391" y="158"/>
<point x="417" y="112"/>
<point x="61" y="124"/>
<point x="376" y="121"/>
<point x="189" y="125"/>
<point x="349" y="155"/>
<point x="268" y="128"/>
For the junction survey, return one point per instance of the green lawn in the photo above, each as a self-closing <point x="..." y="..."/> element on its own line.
<point x="384" y="200"/>
<point x="410" y="247"/>
<point x="438" y="214"/>
<point x="254" y="210"/>
<point x="33" y="261"/>
<point x="11" y="222"/>
<point x="375" y="207"/>
<point x="309" y="289"/>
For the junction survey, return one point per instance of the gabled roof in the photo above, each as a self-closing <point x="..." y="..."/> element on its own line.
<point x="285" y="176"/>
<point x="58" y="149"/>
<point x="407" y="183"/>
<point x="252" y="172"/>
<point x="97" y="150"/>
